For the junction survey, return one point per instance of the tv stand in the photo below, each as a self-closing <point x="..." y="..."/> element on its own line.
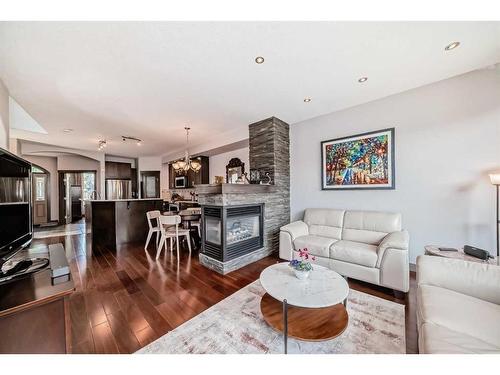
<point x="34" y="311"/>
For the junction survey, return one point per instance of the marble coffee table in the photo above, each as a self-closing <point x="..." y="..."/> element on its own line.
<point x="313" y="309"/>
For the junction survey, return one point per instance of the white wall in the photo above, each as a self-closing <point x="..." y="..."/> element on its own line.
<point x="50" y="164"/>
<point x="4" y="116"/>
<point x="218" y="162"/>
<point x="76" y="163"/>
<point x="447" y="141"/>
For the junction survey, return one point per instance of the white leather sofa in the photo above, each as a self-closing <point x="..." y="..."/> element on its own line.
<point x="364" y="245"/>
<point x="458" y="306"/>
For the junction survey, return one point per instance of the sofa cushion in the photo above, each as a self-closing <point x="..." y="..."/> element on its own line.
<point x="354" y="252"/>
<point x="369" y="226"/>
<point x="441" y="340"/>
<point x="458" y="312"/>
<point x="316" y="245"/>
<point x="324" y="222"/>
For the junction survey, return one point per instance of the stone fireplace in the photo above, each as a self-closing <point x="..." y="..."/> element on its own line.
<point x="230" y="232"/>
<point x="230" y="242"/>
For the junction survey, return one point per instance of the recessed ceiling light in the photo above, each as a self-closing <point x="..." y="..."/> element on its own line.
<point x="307" y="100"/>
<point x="259" y="59"/>
<point x="363" y="79"/>
<point x="67" y="130"/>
<point x="451" y="46"/>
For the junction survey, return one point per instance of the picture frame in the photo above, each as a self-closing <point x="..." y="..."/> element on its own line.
<point x="359" y="162"/>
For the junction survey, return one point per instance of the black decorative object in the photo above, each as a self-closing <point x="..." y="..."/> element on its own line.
<point x="254" y="176"/>
<point x="235" y="168"/>
<point x="267" y="179"/>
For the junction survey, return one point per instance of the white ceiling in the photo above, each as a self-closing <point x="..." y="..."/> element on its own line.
<point x="148" y="80"/>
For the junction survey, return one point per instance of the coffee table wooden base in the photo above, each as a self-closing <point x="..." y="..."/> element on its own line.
<point x="304" y="323"/>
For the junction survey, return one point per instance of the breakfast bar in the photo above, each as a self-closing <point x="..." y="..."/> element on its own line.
<point x="119" y="221"/>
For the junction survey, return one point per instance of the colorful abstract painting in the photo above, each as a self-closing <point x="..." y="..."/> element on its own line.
<point x="363" y="161"/>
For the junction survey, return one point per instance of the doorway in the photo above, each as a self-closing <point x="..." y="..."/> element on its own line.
<point x="74" y="188"/>
<point x="150" y="184"/>
<point x="41" y="195"/>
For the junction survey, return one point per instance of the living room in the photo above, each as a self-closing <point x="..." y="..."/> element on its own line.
<point x="242" y="187"/>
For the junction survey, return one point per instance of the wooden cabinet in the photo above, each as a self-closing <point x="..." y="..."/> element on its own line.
<point x="194" y="178"/>
<point x="124" y="171"/>
<point x="115" y="170"/>
<point x="111" y="169"/>
<point x="34" y="312"/>
<point x="171" y="177"/>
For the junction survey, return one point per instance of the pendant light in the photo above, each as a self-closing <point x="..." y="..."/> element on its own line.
<point x="186" y="163"/>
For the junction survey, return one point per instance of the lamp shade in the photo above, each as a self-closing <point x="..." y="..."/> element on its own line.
<point x="495" y="178"/>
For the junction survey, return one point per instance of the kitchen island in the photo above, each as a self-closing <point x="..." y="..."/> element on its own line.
<point x="117" y="222"/>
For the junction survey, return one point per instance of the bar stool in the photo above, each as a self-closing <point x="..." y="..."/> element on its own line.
<point x="153" y="216"/>
<point x="173" y="233"/>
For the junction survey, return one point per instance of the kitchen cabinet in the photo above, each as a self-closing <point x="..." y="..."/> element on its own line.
<point x="115" y="170"/>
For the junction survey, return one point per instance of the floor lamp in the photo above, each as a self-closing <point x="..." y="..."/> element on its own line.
<point x="495" y="180"/>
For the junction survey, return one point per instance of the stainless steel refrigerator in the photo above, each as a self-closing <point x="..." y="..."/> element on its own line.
<point x="118" y="189"/>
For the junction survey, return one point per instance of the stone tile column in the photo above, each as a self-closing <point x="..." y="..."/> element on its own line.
<point x="270" y="152"/>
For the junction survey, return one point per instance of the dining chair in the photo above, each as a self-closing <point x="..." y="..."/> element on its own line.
<point x="152" y="217"/>
<point x="196" y="224"/>
<point x="169" y="227"/>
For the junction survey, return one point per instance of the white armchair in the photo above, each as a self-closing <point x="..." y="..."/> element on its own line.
<point x="365" y="245"/>
<point x="458" y="306"/>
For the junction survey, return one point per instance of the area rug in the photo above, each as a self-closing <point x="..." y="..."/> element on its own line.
<point x="236" y="326"/>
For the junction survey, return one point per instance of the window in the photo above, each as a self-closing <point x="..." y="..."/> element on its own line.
<point x="88" y="184"/>
<point x="40" y="188"/>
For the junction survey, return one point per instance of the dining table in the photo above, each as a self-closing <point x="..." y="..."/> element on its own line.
<point x="188" y="217"/>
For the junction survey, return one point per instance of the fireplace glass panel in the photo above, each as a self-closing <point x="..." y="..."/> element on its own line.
<point x="213" y="230"/>
<point x="242" y="228"/>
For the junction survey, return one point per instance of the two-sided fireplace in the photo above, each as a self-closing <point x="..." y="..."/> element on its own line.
<point x="230" y="232"/>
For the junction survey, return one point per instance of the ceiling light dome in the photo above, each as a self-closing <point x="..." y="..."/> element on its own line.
<point x="451" y="46"/>
<point x="259" y="59"/>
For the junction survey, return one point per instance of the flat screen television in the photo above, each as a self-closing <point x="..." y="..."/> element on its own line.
<point x="16" y="225"/>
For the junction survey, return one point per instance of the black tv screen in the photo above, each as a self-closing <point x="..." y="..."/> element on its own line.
<point x="14" y="225"/>
<point x="15" y="204"/>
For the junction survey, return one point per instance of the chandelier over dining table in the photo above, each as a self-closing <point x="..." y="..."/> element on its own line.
<point x="187" y="163"/>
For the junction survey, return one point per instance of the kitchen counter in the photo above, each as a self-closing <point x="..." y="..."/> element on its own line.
<point x="122" y="200"/>
<point x="117" y="222"/>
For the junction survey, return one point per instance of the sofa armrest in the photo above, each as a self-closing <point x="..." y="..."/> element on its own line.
<point x="479" y="280"/>
<point x="396" y="240"/>
<point x="296" y="229"/>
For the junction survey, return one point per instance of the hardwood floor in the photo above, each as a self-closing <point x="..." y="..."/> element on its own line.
<point x="125" y="300"/>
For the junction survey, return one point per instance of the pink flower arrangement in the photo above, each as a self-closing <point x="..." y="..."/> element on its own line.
<point x="303" y="264"/>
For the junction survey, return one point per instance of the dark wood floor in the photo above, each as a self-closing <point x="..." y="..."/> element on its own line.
<point x="125" y="300"/>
